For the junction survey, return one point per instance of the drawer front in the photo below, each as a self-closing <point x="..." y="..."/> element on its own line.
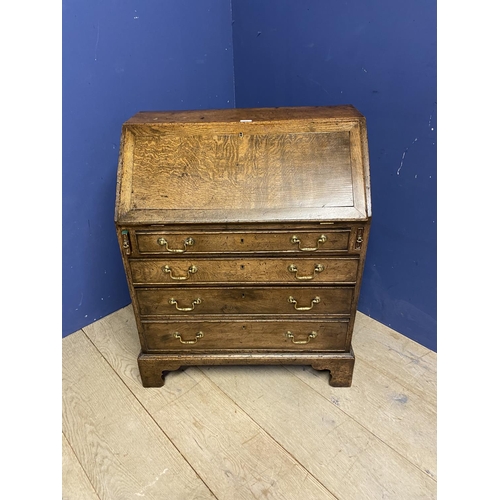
<point x="222" y="335"/>
<point x="175" y="243"/>
<point x="188" y="271"/>
<point x="279" y="300"/>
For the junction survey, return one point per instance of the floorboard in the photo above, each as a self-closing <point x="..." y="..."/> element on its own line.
<point x="120" y="447"/>
<point x="342" y="454"/>
<point x="76" y="484"/>
<point x="400" y="358"/>
<point x="234" y="456"/>
<point x="247" y="432"/>
<point x="402" y="419"/>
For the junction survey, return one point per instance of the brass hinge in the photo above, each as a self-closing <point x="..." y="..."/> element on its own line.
<point x="359" y="238"/>
<point x="126" y="242"/>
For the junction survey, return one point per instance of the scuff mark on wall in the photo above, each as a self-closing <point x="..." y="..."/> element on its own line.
<point x="404" y="154"/>
<point x="96" y="42"/>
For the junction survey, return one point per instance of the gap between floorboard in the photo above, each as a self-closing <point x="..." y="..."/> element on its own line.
<point x="149" y="414"/>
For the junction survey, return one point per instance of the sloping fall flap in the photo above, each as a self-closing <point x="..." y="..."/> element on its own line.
<point x="313" y="166"/>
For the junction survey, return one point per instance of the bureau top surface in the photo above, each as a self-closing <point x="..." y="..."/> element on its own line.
<point x="244" y="165"/>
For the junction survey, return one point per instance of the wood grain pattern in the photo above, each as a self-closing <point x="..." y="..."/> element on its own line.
<point x="251" y="270"/>
<point x="340" y="452"/>
<point x="277" y="216"/>
<point x="400" y="358"/>
<point x="358" y="165"/>
<point x="361" y="442"/>
<point x="242" y="171"/>
<point x="241" y="241"/>
<point x="234" y="115"/>
<point x="154" y="367"/>
<point x="120" y="447"/>
<point x="209" y="202"/>
<point x="282" y="159"/>
<point x="235" y="458"/>
<point x="250" y="466"/>
<point x="125" y="173"/>
<point x="366" y="166"/>
<point x="241" y="334"/>
<point x="75" y="484"/>
<point x="364" y="230"/>
<point x="393" y="413"/>
<point x="244" y="300"/>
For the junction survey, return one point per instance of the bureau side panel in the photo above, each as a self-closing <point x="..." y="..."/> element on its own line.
<point x="125" y="250"/>
<point x="362" y="258"/>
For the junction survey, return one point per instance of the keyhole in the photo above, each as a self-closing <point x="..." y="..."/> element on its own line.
<point x="242" y="295"/>
<point x="242" y="240"/>
<point x="242" y="267"/>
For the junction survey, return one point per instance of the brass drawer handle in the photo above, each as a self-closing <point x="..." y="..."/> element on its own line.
<point x="191" y="270"/>
<point x="197" y="337"/>
<point x="174" y="302"/>
<point x="188" y="242"/>
<point x="318" y="268"/>
<point x="321" y="239"/>
<point x="312" y="335"/>
<point x="316" y="300"/>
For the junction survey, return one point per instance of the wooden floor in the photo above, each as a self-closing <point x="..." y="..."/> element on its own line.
<point x="247" y="432"/>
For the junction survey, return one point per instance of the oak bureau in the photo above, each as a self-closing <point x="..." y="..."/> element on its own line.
<point x="243" y="234"/>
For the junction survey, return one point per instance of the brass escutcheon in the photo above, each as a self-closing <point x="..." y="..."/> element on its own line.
<point x="321" y="239"/>
<point x="359" y="239"/>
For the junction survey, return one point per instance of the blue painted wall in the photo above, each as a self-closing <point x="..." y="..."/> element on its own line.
<point x="120" y="57"/>
<point x="380" y="57"/>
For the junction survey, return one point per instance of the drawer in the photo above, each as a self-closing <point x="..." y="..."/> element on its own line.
<point x="271" y="300"/>
<point x="187" y="271"/>
<point x="300" y="241"/>
<point x="260" y="335"/>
